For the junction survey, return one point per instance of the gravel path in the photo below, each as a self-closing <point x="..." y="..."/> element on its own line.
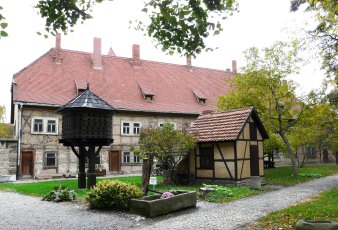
<point x="24" y="212"/>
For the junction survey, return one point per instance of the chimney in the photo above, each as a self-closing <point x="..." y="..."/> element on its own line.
<point x="189" y="61"/>
<point x="57" y="50"/>
<point x="234" y="66"/>
<point x="136" y="56"/>
<point x="96" y="56"/>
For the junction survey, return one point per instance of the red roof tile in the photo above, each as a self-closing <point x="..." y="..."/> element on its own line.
<point x="223" y="126"/>
<point x="44" y="82"/>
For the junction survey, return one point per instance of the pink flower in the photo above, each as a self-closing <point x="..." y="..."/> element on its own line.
<point x="166" y="195"/>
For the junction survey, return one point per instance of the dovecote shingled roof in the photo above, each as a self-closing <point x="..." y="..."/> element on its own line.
<point x="46" y="83"/>
<point x="87" y="100"/>
<point x="224" y="126"/>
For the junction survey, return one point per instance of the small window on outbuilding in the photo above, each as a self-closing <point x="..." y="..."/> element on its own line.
<point x="206" y="157"/>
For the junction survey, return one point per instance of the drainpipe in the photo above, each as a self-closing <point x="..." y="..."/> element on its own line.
<point x="19" y="142"/>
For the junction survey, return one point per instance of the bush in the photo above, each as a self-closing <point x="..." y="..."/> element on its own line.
<point x="60" y="194"/>
<point x="219" y="193"/>
<point x="112" y="194"/>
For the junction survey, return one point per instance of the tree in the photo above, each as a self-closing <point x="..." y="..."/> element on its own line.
<point x="263" y="85"/>
<point x="6" y="130"/>
<point x="325" y="32"/>
<point x="177" y="25"/>
<point x="165" y="144"/>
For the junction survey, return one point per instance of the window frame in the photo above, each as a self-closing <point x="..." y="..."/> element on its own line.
<point x="45" y="160"/>
<point x="45" y="125"/>
<point x="131" y="158"/>
<point x="131" y="128"/>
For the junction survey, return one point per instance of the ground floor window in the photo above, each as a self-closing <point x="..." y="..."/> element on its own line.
<point x="50" y="160"/>
<point x="129" y="158"/>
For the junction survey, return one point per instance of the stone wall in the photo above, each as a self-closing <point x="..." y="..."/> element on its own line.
<point x="8" y="155"/>
<point x="41" y="143"/>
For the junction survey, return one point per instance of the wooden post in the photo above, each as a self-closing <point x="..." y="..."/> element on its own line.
<point x="146" y="171"/>
<point x="91" y="175"/>
<point x="81" y="183"/>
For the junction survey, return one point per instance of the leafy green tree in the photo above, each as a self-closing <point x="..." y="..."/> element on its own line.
<point x="6" y="130"/>
<point x="325" y="31"/>
<point x="166" y="145"/>
<point x="263" y="85"/>
<point x="177" y="25"/>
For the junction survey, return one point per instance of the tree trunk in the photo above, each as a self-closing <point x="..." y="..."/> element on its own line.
<point x="291" y="155"/>
<point x="146" y="172"/>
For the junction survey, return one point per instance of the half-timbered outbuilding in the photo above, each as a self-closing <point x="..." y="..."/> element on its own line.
<point x="230" y="146"/>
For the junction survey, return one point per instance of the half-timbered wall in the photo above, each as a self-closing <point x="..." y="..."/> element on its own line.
<point x="232" y="159"/>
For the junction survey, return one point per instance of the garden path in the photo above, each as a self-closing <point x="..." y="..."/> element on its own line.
<point x="24" y="212"/>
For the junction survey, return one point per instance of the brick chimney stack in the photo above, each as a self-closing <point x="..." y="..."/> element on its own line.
<point x="96" y="56"/>
<point x="234" y="66"/>
<point x="57" y="50"/>
<point x="136" y="56"/>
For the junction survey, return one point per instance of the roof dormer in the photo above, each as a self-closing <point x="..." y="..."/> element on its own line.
<point x="81" y="86"/>
<point x="147" y="93"/>
<point x="200" y="96"/>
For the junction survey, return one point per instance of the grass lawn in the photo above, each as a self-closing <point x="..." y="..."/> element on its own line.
<point x="42" y="188"/>
<point x="322" y="207"/>
<point x="282" y="175"/>
<point x="279" y="175"/>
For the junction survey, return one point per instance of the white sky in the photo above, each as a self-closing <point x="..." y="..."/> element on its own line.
<point x="259" y="23"/>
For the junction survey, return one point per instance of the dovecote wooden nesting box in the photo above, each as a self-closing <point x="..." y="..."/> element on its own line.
<point x="86" y="120"/>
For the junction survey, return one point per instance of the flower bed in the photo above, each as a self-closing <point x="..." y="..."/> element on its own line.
<point x="151" y="206"/>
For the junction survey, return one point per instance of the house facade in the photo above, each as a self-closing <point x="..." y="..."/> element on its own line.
<point x="143" y="94"/>
<point x="230" y="146"/>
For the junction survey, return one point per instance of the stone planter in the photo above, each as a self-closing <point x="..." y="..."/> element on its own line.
<point x="151" y="206"/>
<point x="316" y="225"/>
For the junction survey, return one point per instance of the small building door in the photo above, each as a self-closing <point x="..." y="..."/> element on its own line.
<point x="27" y="163"/>
<point x="254" y="161"/>
<point x="114" y="161"/>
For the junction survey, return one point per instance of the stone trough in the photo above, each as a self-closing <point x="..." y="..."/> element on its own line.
<point x="151" y="206"/>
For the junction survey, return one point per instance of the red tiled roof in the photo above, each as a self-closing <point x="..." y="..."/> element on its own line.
<point x="44" y="82"/>
<point x="223" y="126"/>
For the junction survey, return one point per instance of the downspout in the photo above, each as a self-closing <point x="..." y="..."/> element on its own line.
<point x="19" y="142"/>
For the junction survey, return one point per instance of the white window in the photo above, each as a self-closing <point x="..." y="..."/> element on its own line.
<point x="51" y="126"/>
<point x="44" y="125"/>
<point x="38" y="125"/>
<point x="161" y="124"/>
<point x="126" y="157"/>
<point x="130" y="128"/>
<point x="125" y="127"/>
<point x="136" y="130"/>
<point x="129" y="158"/>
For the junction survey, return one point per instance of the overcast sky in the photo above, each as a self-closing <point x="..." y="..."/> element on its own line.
<point x="259" y="23"/>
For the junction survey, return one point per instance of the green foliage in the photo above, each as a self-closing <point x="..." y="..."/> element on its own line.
<point x="165" y="144"/>
<point x="325" y="31"/>
<point x="182" y="26"/>
<point x="311" y="175"/>
<point x="176" y="25"/>
<point x="3" y="25"/>
<point x="60" y="194"/>
<point x="228" y="193"/>
<point x="6" y="130"/>
<point x="282" y="175"/>
<point x="111" y="194"/>
<point x="321" y="207"/>
<point x="263" y="85"/>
